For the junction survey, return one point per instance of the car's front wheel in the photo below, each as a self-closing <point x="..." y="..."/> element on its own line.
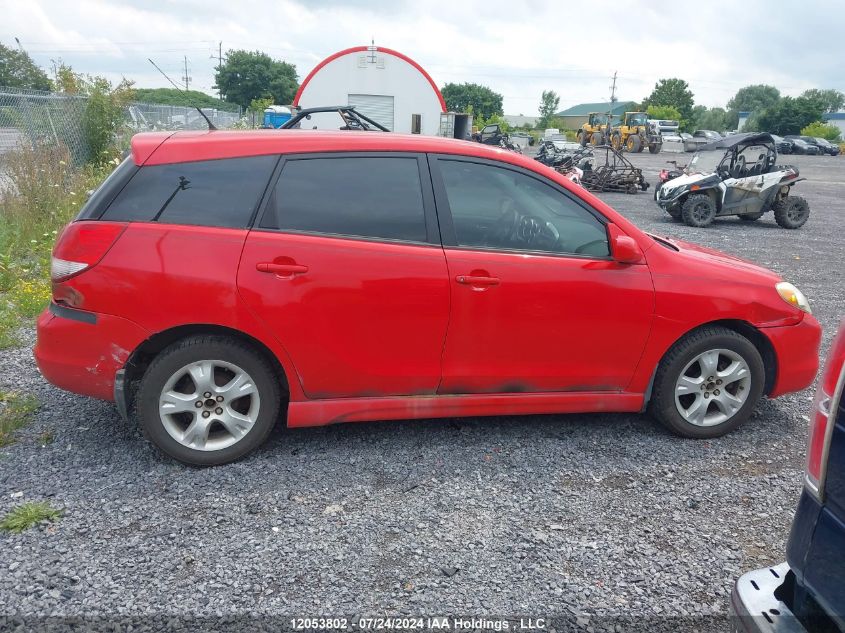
<point x="708" y="383"/>
<point x="208" y="400"/>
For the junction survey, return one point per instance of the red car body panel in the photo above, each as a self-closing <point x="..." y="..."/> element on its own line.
<point x="791" y="344"/>
<point x="551" y="323"/>
<point x="376" y="330"/>
<point x="366" y="319"/>
<point x="84" y="357"/>
<point x="323" y="412"/>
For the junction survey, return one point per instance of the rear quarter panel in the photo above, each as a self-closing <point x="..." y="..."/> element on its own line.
<point x="163" y="276"/>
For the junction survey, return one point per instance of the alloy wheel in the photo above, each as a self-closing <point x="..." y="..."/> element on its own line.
<point x="209" y="405"/>
<point x="713" y="387"/>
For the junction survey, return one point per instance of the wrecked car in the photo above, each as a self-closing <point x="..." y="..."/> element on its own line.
<point x="736" y="175"/>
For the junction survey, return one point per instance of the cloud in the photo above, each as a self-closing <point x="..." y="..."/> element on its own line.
<point x="518" y="49"/>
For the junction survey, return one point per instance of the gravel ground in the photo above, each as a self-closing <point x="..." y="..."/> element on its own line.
<point x="536" y="516"/>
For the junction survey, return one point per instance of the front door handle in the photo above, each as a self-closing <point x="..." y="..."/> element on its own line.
<point x="281" y="269"/>
<point x="470" y="280"/>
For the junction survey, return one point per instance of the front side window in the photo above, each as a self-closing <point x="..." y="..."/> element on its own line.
<point x="495" y="207"/>
<point x="357" y="196"/>
<point x="222" y="193"/>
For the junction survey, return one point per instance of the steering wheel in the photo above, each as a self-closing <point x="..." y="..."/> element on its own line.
<point x="505" y="226"/>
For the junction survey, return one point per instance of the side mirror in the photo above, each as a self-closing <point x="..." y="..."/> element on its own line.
<point x="624" y="248"/>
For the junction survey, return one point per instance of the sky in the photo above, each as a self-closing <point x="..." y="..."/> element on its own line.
<point x="516" y="48"/>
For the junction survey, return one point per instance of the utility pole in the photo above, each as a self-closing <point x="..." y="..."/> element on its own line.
<point x="612" y="107"/>
<point x="186" y="78"/>
<point x="219" y="58"/>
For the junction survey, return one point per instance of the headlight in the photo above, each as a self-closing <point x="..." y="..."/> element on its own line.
<point x="793" y="296"/>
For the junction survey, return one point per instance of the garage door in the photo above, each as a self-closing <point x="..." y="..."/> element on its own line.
<point x="377" y="107"/>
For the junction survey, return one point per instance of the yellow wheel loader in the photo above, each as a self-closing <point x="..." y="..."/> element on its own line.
<point x="594" y="131"/>
<point x="635" y="134"/>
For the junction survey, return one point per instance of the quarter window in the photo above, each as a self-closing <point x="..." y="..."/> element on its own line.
<point x="359" y="196"/>
<point x="222" y="192"/>
<point x="495" y="207"/>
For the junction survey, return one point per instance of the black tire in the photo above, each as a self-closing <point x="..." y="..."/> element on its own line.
<point x="655" y="148"/>
<point x="791" y="212"/>
<point x="662" y="405"/>
<point x="177" y="356"/>
<point x="750" y="217"/>
<point x="699" y="210"/>
<point x="581" y="138"/>
<point x="596" y="139"/>
<point x="634" y="144"/>
<point x="616" y="141"/>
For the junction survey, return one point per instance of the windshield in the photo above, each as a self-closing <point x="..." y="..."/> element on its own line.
<point x="637" y="119"/>
<point x="705" y="162"/>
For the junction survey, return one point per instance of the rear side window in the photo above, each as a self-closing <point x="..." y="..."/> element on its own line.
<point x="375" y="197"/>
<point x="107" y="191"/>
<point x="222" y="192"/>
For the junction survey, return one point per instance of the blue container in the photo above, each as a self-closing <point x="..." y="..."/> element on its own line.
<point x="275" y="116"/>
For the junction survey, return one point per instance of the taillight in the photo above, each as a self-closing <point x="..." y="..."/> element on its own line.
<point x="823" y="416"/>
<point x="81" y="245"/>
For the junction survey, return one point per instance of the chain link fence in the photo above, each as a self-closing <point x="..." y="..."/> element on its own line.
<point x="32" y="117"/>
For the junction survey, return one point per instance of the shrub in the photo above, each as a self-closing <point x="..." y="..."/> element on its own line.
<point x="821" y="130"/>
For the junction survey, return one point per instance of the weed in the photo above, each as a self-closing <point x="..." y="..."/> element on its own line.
<point x="15" y="411"/>
<point x="27" y="515"/>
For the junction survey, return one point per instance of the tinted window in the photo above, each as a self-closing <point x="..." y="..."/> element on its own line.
<point x="501" y="208"/>
<point x="377" y="197"/>
<point x="207" y="193"/>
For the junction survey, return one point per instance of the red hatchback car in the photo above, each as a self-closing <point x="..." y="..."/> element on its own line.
<point x="217" y="279"/>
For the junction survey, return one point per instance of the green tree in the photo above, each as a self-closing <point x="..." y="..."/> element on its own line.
<point x="171" y="96"/>
<point x="829" y="100"/>
<point x="788" y="116"/>
<point x="549" y="102"/>
<point x="246" y="75"/>
<point x="484" y="102"/>
<point x="672" y="92"/>
<point x="259" y="105"/>
<point x="663" y="112"/>
<point x="754" y="98"/>
<point x="17" y="70"/>
<point x="819" y="129"/>
<point x="711" y="119"/>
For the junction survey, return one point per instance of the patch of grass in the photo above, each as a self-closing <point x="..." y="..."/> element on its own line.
<point x="27" y="515"/>
<point x="15" y="411"/>
<point x="44" y="193"/>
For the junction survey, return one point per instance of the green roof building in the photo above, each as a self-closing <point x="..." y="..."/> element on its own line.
<point x="576" y="116"/>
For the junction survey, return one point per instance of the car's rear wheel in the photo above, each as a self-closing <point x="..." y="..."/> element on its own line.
<point x="699" y="210"/>
<point x="708" y="383"/>
<point x="208" y="400"/>
<point x="791" y="212"/>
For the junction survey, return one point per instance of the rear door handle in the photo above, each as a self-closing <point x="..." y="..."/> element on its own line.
<point x="470" y="280"/>
<point x="281" y="269"/>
